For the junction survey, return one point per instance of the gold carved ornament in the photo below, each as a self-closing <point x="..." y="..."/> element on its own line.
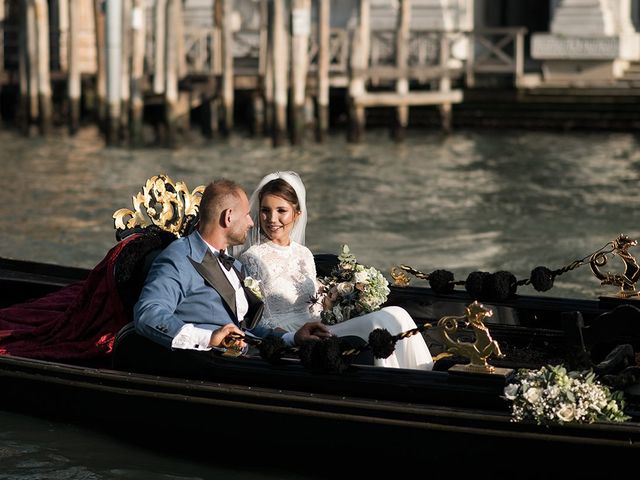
<point x="482" y="348"/>
<point x="631" y="274"/>
<point x="167" y="205"/>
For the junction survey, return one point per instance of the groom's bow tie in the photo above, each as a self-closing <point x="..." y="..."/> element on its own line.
<point x="225" y="260"/>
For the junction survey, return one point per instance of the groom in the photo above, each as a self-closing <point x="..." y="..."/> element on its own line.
<point x="194" y="297"/>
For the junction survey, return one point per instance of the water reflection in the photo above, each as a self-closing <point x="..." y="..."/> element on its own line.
<point x="484" y="200"/>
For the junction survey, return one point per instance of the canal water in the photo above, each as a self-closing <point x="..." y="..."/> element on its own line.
<point x="474" y="200"/>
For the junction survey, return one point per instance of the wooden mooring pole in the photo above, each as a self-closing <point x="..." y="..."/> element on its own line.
<point x="44" y="78"/>
<point x="324" y="36"/>
<point x="125" y="71"/>
<point x="101" y="64"/>
<point x="280" y="54"/>
<point x="35" y="82"/>
<point x="300" y="30"/>
<point x="227" y="62"/>
<point x="402" y="64"/>
<point x="114" y="78"/>
<point x="359" y="64"/>
<point x="3" y="78"/>
<point x="137" y="72"/>
<point x="73" y="75"/>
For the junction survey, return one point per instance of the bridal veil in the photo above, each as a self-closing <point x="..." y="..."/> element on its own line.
<point x="298" y="231"/>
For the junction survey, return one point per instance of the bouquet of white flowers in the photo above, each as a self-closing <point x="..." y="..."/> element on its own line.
<point x="551" y="395"/>
<point x="351" y="290"/>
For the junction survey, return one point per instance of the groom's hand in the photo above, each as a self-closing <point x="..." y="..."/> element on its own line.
<point x="227" y="336"/>
<point x="311" y="331"/>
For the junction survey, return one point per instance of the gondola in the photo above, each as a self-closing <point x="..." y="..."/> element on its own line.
<point x="456" y="413"/>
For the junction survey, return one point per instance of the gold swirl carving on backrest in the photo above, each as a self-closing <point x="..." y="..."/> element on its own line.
<point x="163" y="203"/>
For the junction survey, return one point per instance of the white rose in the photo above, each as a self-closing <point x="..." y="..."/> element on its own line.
<point x="566" y="412"/>
<point x="511" y="390"/>
<point x="532" y="394"/>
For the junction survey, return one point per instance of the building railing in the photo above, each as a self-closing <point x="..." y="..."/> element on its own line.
<point x="495" y="51"/>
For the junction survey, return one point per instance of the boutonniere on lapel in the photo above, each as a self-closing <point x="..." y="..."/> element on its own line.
<point x="253" y="284"/>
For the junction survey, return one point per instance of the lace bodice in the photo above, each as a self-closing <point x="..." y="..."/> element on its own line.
<point x="288" y="283"/>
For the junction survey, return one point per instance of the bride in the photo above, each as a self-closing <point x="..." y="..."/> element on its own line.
<point x="275" y="254"/>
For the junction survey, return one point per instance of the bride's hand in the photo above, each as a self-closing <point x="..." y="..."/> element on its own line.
<point x="311" y="331"/>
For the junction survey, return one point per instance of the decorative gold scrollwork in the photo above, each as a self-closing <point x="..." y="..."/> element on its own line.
<point x="168" y="205"/>
<point x="400" y="279"/>
<point x="482" y="348"/>
<point x="631" y="274"/>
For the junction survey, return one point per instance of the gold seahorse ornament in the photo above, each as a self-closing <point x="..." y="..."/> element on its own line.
<point x="631" y="274"/>
<point x="482" y="348"/>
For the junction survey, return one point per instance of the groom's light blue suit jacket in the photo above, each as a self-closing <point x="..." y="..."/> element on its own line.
<point x="186" y="284"/>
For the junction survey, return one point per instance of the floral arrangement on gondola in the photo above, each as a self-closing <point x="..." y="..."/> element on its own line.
<point x="552" y="395"/>
<point x="351" y="290"/>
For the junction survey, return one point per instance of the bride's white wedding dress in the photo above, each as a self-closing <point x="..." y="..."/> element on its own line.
<point x="288" y="282"/>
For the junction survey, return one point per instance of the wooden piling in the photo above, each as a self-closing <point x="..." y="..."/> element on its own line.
<point x="64" y="31"/>
<point x="268" y="86"/>
<point x="3" y="76"/>
<point x="24" y="111"/>
<point x="300" y="30"/>
<point x="73" y="74"/>
<point x="138" y="27"/>
<point x="125" y="71"/>
<point x="359" y="63"/>
<point x="171" y="74"/>
<point x="101" y="65"/>
<point x="2" y="33"/>
<point x="45" y="105"/>
<point x="210" y="118"/>
<point x="259" y="95"/>
<point x="114" y="59"/>
<point x="211" y="99"/>
<point x="445" y="107"/>
<point x="32" y="65"/>
<point x="324" y="37"/>
<point x="227" y="62"/>
<point x="402" y="63"/>
<point x="160" y="40"/>
<point x="280" y="70"/>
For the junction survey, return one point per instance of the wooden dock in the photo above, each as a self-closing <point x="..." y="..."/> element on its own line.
<point x="177" y="65"/>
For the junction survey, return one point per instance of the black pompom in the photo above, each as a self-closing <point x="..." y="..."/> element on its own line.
<point x="441" y="281"/>
<point x="271" y="349"/>
<point x="502" y="285"/>
<point x="308" y="354"/>
<point x="335" y="361"/>
<point x="323" y="356"/>
<point x="381" y="343"/>
<point x="541" y="278"/>
<point x="476" y="285"/>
